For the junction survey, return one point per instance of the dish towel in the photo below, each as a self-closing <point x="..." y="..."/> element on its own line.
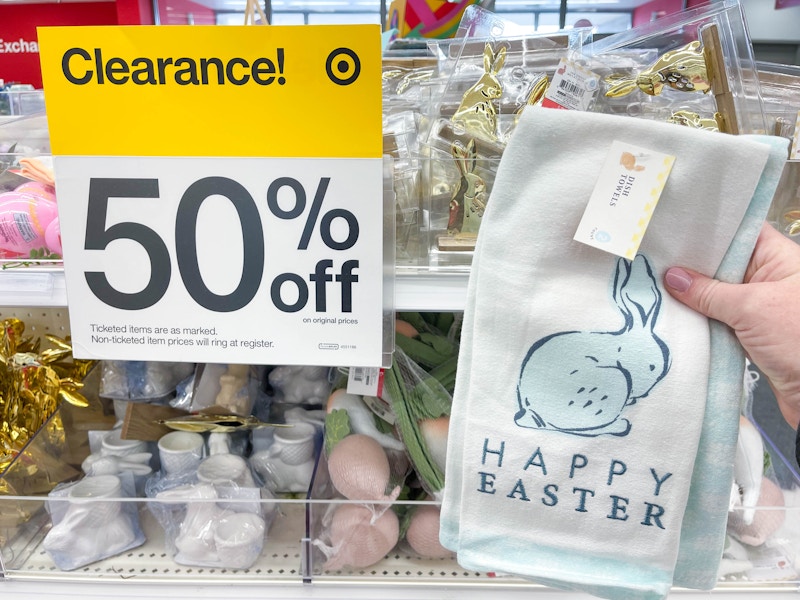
<point x="582" y="386"/>
<point x="704" y="523"/>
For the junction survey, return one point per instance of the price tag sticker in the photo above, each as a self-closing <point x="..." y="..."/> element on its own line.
<point x="365" y="381"/>
<point x="573" y="87"/>
<point x="220" y="191"/>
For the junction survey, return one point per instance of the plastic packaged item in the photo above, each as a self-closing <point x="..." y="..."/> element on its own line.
<point x="180" y="452"/>
<point x="422" y="531"/>
<point x="694" y="68"/>
<point x="287" y="464"/>
<point x="385" y="455"/>
<point x="784" y="212"/>
<point x="209" y="504"/>
<point x="92" y="523"/>
<point x="780" y="90"/>
<point x="404" y="83"/>
<point x="301" y="385"/>
<point x="22" y="137"/>
<point x="141" y="381"/>
<point x="762" y="521"/>
<point x="202" y="531"/>
<point x="401" y="139"/>
<point x="232" y="388"/>
<point x="352" y="534"/>
<point x="458" y="176"/>
<point x="493" y="78"/>
<point x="490" y="75"/>
<point x="32" y="471"/>
<point x="421" y="410"/>
<point x="29" y="224"/>
<point x="357" y="535"/>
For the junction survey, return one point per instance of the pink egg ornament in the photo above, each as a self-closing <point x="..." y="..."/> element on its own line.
<point x="359" y="469"/>
<point x="28" y="222"/>
<point x="423" y="533"/>
<point x="361" y="538"/>
<point x="38" y="189"/>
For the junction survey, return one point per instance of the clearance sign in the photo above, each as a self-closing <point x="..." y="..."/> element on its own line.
<point x="220" y="191"/>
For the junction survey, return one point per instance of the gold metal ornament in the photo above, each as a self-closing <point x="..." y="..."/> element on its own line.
<point x="469" y="198"/>
<point x="688" y="118"/>
<point x="536" y="93"/>
<point x="201" y="423"/>
<point x="406" y="78"/>
<point x="791" y="220"/>
<point x="684" y="70"/>
<point x="477" y="113"/>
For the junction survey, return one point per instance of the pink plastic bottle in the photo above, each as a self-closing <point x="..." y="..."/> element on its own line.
<point x="29" y="221"/>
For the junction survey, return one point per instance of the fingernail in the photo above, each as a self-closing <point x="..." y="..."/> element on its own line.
<point x="678" y="279"/>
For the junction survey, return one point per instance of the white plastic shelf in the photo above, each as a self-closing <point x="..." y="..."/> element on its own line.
<point x="418" y="290"/>
<point x="430" y="290"/>
<point x="32" y="286"/>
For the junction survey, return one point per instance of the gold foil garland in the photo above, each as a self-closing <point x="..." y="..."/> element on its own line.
<point x="33" y="383"/>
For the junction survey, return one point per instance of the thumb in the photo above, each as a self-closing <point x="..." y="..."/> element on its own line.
<point x="710" y="297"/>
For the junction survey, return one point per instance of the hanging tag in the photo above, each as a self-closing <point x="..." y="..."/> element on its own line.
<point x="624" y="198"/>
<point x="573" y="87"/>
<point x="365" y="381"/>
<point x="381" y="408"/>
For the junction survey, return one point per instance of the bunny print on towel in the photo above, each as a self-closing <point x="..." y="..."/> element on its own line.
<point x="580" y="382"/>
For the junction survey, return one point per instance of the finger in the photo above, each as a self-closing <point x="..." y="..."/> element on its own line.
<point x="775" y="256"/>
<point x="712" y="298"/>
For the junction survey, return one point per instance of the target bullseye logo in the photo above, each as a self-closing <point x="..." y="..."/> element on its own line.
<point x="343" y="66"/>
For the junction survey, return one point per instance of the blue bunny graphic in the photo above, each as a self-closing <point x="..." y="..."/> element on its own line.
<point x="580" y="382"/>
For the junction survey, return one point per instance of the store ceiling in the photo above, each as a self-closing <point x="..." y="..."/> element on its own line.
<point x="534" y="4"/>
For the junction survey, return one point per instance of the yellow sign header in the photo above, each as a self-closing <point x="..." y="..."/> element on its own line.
<point x="256" y="91"/>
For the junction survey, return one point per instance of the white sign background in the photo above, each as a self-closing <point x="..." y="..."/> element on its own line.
<point x="176" y="327"/>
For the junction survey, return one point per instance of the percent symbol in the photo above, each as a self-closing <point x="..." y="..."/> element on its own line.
<point x="313" y="216"/>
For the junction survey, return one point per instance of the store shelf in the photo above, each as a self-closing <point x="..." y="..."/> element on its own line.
<point x="148" y="572"/>
<point x="414" y="289"/>
<point x="280" y="560"/>
<point x="430" y="290"/>
<point x="32" y="286"/>
<point x="125" y="588"/>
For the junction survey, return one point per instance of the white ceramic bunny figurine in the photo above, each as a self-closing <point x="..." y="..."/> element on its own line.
<point x="579" y="382"/>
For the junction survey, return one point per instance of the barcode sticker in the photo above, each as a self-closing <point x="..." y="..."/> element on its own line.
<point x="573" y="87"/>
<point x="365" y="381"/>
<point x="795" y="151"/>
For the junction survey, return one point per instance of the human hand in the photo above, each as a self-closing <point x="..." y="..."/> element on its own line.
<point x="764" y="311"/>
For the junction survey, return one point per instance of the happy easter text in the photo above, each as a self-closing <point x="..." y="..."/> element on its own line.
<point x="582" y="499"/>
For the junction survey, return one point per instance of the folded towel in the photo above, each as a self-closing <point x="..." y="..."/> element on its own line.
<point x="582" y="387"/>
<point x="704" y="524"/>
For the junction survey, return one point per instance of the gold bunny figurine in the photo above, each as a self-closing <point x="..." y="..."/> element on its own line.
<point x="477" y="112"/>
<point x="688" y="118"/>
<point x="469" y="198"/>
<point x="683" y="69"/>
